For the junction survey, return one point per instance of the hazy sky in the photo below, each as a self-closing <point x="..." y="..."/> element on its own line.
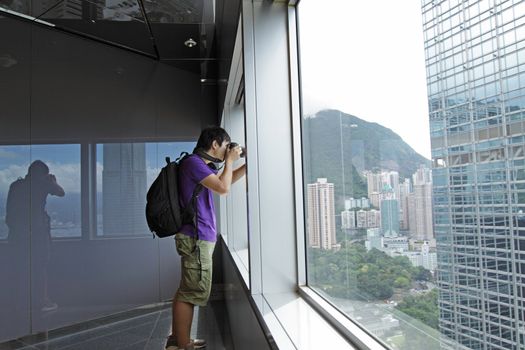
<point x="64" y="162"/>
<point x="366" y="58"/>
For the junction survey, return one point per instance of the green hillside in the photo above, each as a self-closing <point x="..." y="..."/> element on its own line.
<point x="366" y="146"/>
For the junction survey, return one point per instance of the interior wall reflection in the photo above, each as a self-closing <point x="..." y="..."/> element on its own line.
<point x="85" y="129"/>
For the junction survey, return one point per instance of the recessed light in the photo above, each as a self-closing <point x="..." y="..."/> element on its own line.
<point x="190" y="42"/>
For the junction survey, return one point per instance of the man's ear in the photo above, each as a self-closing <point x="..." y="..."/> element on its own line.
<point x="215" y="145"/>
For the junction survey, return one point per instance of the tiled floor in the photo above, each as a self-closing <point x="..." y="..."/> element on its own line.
<point x="144" y="329"/>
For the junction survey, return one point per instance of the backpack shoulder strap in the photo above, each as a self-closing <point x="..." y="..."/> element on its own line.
<point x="182" y="156"/>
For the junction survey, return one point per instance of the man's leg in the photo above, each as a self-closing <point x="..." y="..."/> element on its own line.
<point x="181" y="325"/>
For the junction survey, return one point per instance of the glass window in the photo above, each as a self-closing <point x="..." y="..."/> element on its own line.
<point x="367" y="179"/>
<point x="366" y="202"/>
<point x="124" y="172"/>
<point x="14" y="162"/>
<point x="40" y="186"/>
<point x="63" y="201"/>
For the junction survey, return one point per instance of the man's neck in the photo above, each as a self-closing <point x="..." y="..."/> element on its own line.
<point x="207" y="161"/>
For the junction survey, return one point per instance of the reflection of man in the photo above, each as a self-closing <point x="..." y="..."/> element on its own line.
<point x="195" y="245"/>
<point x="28" y="222"/>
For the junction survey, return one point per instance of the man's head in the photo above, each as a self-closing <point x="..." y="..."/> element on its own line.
<point x="38" y="169"/>
<point x="214" y="141"/>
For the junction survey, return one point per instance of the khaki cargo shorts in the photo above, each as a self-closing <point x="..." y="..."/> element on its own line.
<point x="196" y="269"/>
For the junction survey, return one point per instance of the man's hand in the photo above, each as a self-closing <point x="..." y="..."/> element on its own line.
<point x="233" y="154"/>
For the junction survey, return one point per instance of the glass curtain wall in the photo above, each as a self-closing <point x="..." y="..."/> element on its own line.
<point x="475" y="58"/>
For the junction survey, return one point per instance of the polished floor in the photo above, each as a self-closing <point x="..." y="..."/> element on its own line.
<point x="141" y="329"/>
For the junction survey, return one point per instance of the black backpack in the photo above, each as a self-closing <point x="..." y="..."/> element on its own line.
<point x="18" y="207"/>
<point x="164" y="214"/>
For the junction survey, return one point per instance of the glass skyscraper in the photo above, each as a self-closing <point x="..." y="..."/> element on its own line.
<point x="475" y="59"/>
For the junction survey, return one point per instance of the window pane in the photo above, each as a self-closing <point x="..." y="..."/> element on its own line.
<point x="401" y="232"/>
<point x="14" y="161"/>
<point x="367" y="169"/>
<point x="64" y="210"/>
<point x="124" y="173"/>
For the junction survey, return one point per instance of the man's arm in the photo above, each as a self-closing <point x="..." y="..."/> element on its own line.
<point x="221" y="184"/>
<point x="238" y="173"/>
<point x="55" y="188"/>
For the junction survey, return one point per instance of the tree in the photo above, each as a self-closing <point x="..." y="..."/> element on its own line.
<point x="423" y="307"/>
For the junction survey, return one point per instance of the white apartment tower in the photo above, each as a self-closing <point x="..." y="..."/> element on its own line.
<point x="321" y="215"/>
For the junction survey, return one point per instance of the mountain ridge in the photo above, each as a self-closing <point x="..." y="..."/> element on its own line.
<point x="365" y="146"/>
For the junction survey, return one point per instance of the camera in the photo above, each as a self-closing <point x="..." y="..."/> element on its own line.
<point x="235" y="144"/>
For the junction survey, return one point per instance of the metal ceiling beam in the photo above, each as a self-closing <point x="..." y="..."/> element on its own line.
<point x="152" y="37"/>
<point x="44" y="24"/>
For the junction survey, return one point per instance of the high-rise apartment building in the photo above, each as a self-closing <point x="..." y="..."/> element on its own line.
<point x="357" y="203"/>
<point x="348" y="219"/>
<point x="321" y="215"/>
<point x="404" y="191"/>
<point x="475" y="60"/>
<point x="362" y="218"/>
<point x="373" y="218"/>
<point x="374" y="187"/>
<point x="420" y="205"/>
<point x="420" y="208"/>
<point x="422" y="175"/>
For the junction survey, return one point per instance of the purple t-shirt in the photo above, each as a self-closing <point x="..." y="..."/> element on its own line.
<point x="192" y="171"/>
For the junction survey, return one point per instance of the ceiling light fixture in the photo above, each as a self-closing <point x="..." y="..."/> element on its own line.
<point x="190" y="42"/>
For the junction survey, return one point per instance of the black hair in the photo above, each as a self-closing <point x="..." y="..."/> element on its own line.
<point x="208" y="135"/>
<point x="38" y="168"/>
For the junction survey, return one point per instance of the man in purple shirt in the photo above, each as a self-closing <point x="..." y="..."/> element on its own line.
<point x="195" y="244"/>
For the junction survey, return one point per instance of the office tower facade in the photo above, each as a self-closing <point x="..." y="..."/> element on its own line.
<point x="390" y="217"/>
<point x="124" y="187"/>
<point x="475" y="60"/>
<point x="390" y="179"/>
<point x="321" y="214"/>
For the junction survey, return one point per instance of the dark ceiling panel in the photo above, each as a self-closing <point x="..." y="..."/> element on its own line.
<point x="160" y="34"/>
<point x="180" y="11"/>
<point x="171" y="38"/>
<point x="33" y="8"/>
<point x="208" y="68"/>
<point x="107" y="24"/>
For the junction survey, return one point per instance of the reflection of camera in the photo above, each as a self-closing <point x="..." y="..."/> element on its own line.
<point x="235" y="144"/>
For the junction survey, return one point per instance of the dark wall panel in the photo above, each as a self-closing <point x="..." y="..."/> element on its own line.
<point x="15" y="83"/>
<point x="84" y="90"/>
<point x="15" y="68"/>
<point x="246" y="329"/>
<point x="101" y="119"/>
<point x="229" y="12"/>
